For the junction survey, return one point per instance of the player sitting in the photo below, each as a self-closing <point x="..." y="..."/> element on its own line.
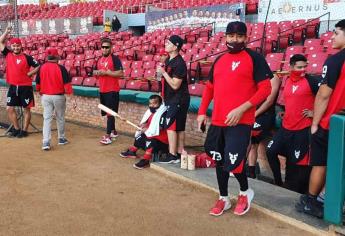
<point x="151" y="138"/>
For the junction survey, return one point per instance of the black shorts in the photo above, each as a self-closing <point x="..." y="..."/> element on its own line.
<point x="176" y="116"/>
<point x="228" y="146"/>
<point x="145" y="143"/>
<point x="22" y="96"/>
<point x="262" y="127"/>
<point x="110" y="100"/>
<point x="319" y="147"/>
<point x="293" y="144"/>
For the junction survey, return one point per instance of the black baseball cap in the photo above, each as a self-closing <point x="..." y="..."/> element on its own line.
<point x="177" y="41"/>
<point x="236" y="27"/>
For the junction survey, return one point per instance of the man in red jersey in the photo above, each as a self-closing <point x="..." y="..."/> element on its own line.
<point x="109" y="70"/>
<point x="18" y="76"/>
<point x="329" y="100"/>
<point x="53" y="82"/>
<point x="239" y="80"/>
<point x="292" y="140"/>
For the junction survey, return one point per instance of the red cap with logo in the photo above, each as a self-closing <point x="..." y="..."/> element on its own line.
<point x="52" y="52"/>
<point x="15" y="41"/>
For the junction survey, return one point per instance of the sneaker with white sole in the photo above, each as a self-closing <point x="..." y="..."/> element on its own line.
<point x="46" y="146"/>
<point x="114" y="135"/>
<point x="62" y="141"/>
<point x="105" y="140"/>
<point x="220" y="206"/>
<point x="143" y="163"/>
<point x="243" y="202"/>
<point x="128" y="154"/>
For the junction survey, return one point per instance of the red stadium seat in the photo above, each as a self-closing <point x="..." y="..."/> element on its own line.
<point x="77" y="81"/>
<point x="90" y="82"/>
<point x="196" y="89"/>
<point x="137" y="73"/>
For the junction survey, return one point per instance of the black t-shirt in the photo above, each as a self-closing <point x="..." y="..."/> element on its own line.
<point x="176" y="68"/>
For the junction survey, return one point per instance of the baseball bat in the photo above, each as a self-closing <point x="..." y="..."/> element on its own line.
<point x="113" y="113"/>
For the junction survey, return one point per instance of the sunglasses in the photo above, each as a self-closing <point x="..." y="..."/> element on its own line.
<point x="105" y="47"/>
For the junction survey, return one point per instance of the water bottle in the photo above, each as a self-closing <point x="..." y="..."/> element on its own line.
<point x="159" y="74"/>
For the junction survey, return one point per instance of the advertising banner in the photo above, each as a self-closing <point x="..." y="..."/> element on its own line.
<point x="300" y="9"/>
<point x="221" y="15"/>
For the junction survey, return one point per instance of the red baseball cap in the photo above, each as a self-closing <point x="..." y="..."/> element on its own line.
<point x="15" y="41"/>
<point x="52" y="52"/>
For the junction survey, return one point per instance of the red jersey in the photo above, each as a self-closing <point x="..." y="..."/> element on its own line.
<point x="18" y="67"/>
<point x="234" y="80"/>
<point x="333" y="76"/>
<point x="53" y="79"/>
<point x="163" y="136"/>
<point x="299" y="95"/>
<point x="109" y="83"/>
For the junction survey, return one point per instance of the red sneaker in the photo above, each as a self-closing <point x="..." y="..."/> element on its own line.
<point x="243" y="203"/>
<point x="220" y="207"/>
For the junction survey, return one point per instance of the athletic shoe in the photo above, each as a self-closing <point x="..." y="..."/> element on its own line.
<point x="46" y="146"/>
<point x="128" y="154"/>
<point x="14" y="133"/>
<point x="243" y="203"/>
<point x="114" y="135"/>
<point x="167" y="159"/>
<point x="62" y="141"/>
<point x="220" y="207"/>
<point x="105" y="140"/>
<point x="143" y="163"/>
<point x="22" y="134"/>
<point x="310" y="206"/>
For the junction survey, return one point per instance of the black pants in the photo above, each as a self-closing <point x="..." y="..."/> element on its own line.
<point x="110" y="100"/>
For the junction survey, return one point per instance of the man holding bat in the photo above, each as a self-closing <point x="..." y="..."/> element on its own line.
<point x="108" y="71"/>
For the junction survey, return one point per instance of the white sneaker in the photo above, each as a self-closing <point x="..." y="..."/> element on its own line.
<point x="46" y="146"/>
<point x="114" y="135"/>
<point x="105" y="140"/>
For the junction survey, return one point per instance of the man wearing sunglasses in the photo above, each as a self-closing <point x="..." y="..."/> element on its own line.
<point x="108" y="71"/>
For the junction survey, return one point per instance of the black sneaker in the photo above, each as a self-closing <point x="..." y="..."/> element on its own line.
<point x="167" y="159"/>
<point x="177" y="159"/>
<point x="62" y="141"/>
<point x="143" y="163"/>
<point x="128" y="154"/>
<point x="22" y="134"/>
<point x="310" y="206"/>
<point x="14" y="133"/>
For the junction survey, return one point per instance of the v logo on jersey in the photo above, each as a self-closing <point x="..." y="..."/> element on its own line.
<point x="18" y="61"/>
<point x="208" y="163"/>
<point x="235" y="64"/>
<point x="297" y="153"/>
<point x="148" y="143"/>
<point x="294" y="88"/>
<point x="106" y="65"/>
<point x="256" y="125"/>
<point x="270" y="144"/>
<point x="216" y="155"/>
<point x="27" y="101"/>
<point x="168" y="120"/>
<point x="233" y="157"/>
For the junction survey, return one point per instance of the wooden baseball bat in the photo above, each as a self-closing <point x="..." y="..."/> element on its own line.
<point x="113" y="113"/>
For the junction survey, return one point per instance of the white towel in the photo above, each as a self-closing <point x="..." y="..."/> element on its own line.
<point x="153" y="129"/>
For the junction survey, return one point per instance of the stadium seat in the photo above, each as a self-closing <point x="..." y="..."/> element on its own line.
<point x="89" y="81"/>
<point x="77" y="81"/>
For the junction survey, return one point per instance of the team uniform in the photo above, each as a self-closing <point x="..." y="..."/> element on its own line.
<point x="177" y="101"/>
<point x="242" y="77"/>
<point x="53" y="82"/>
<point x="20" y="92"/>
<point x="333" y="76"/>
<point x="109" y="87"/>
<point x="292" y="139"/>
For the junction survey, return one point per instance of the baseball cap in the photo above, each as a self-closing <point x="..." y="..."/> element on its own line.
<point x="176" y="40"/>
<point x="52" y="52"/>
<point x="237" y="27"/>
<point x="16" y="41"/>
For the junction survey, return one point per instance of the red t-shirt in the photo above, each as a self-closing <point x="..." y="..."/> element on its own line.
<point x="333" y="76"/>
<point x="18" y="67"/>
<point x="163" y="136"/>
<point x="53" y="79"/>
<point x="234" y="80"/>
<point x="299" y="95"/>
<point x="109" y="83"/>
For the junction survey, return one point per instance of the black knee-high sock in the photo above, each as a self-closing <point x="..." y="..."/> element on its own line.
<point x="273" y="160"/>
<point x="242" y="180"/>
<point x="222" y="178"/>
<point x="110" y="124"/>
